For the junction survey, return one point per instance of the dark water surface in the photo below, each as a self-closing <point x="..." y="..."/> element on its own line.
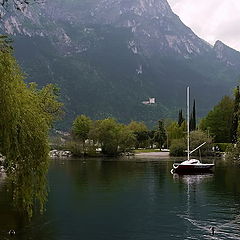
<point x="122" y="200"/>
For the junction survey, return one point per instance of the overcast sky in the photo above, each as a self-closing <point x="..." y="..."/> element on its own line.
<point x="211" y="19"/>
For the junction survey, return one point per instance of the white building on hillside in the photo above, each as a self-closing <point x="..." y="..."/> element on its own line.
<point x="150" y="101"/>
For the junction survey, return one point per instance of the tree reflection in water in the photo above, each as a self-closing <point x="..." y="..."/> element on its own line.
<point x="27" y="189"/>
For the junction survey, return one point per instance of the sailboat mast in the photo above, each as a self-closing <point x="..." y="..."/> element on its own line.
<point x="188" y="125"/>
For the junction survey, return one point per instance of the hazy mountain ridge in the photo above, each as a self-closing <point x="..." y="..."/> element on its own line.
<point x="110" y="55"/>
<point x="155" y="28"/>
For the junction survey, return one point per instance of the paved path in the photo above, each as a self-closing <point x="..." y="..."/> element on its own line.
<point x="152" y="154"/>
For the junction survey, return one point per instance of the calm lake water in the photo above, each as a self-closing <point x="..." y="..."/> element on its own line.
<point x="130" y="200"/>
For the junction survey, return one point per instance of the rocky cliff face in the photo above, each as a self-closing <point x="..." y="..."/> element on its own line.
<point x="227" y="55"/>
<point x="108" y="56"/>
<point x="155" y="28"/>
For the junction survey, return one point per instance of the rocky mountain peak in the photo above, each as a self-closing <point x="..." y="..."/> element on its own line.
<point x="226" y="54"/>
<point x="121" y="11"/>
<point x="141" y="7"/>
<point x="154" y="28"/>
<point x="219" y="46"/>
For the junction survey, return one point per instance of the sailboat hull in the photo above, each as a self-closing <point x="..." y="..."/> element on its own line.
<point x="201" y="167"/>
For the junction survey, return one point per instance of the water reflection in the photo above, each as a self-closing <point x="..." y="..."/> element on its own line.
<point x="225" y="224"/>
<point x="223" y="231"/>
<point x="192" y="179"/>
<point x="14" y="191"/>
<point x="115" y="200"/>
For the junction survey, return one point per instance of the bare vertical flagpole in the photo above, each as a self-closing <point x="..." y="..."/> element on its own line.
<point x="188" y="127"/>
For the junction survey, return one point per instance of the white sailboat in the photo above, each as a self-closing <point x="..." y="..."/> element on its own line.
<point x="191" y="165"/>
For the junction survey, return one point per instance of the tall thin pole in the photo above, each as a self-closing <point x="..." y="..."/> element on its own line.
<point x="188" y="127"/>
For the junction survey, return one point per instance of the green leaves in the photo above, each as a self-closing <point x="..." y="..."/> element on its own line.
<point x="108" y="135"/>
<point x="178" y="146"/>
<point x="81" y="127"/>
<point x="25" y="118"/>
<point x="111" y="136"/>
<point x="218" y="122"/>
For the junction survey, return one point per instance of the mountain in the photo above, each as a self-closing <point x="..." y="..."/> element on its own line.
<point x="227" y="55"/>
<point x="108" y="56"/>
<point x="155" y="28"/>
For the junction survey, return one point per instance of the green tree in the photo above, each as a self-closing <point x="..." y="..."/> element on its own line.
<point x="142" y="139"/>
<point x="233" y="153"/>
<point x="174" y="131"/>
<point x="180" y="118"/>
<point x="112" y="136"/>
<point x="137" y="126"/>
<point x="235" y="120"/>
<point x="80" y="129"/>
<point x="24" y="126"/>
<point x="48" y="101"/>
<point x="197" y="138"/>
<point x="160" y="134"/>
<point x="107" y="133"/>
<point x="127" y="139"/>
<point x="193" y="123"/>
<point x="178" y="147"/>
<point x="140" y="131"/>
<point x="151" y="137"/>
<point x="218" y="122"/>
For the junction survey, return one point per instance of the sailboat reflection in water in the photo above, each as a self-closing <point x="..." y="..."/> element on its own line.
<point x="192" y="179"/>
<point x="191" y="165"/>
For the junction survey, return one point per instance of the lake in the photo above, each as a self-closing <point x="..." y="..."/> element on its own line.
<point x="137" y="199"/>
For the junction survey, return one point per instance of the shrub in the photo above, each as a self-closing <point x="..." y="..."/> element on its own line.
<point x="76" y="148"/>
<point x="233" y="154"/>
<point x="223" y="146"/>
<point x="177" y="148"/>
<point x="196" y="139"/>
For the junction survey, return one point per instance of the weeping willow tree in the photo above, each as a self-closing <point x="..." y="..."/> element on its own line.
<point x="26" y="115"/>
